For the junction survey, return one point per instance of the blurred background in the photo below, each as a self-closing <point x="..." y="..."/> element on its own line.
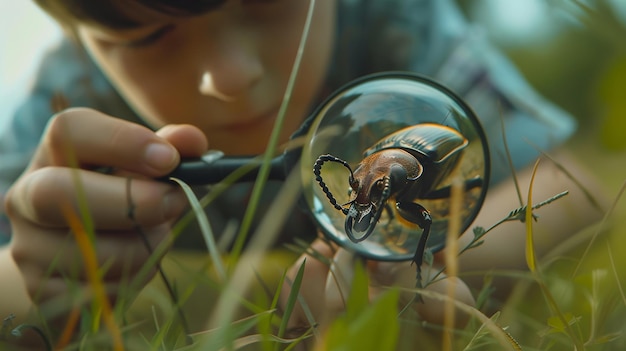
<point x="572" y="51"/>
<point x="25" y="34"/>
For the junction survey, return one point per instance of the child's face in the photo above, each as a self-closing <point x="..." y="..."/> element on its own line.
<point x="224" y="71"/>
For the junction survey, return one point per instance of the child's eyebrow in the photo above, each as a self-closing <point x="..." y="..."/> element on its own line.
<point x="115" y="15"/>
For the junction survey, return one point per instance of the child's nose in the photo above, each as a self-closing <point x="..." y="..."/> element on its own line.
<point x="231" y="69"/>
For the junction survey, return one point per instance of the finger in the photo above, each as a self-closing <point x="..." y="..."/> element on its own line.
<point x="91" y="138"/>
<point x="44" y="254"/>
<point x="56" y="297"/>
<point x="339" y="283"/>
<point x="384" y="274"/>
<point x="187" y="139"/>
<point x="311" y="289"/>
<point x="41" y="196"/>
<point x="432" y="309"/>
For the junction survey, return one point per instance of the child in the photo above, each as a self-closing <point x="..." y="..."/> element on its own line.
<point x="161" y="80"/>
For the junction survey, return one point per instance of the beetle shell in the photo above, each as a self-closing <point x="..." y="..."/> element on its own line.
<point x="435" y="146"/>
<point x="380" y="165"/>
<point x="432" y="142"/>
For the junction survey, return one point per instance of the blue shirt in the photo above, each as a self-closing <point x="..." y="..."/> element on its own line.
<point x="429" y="37"/>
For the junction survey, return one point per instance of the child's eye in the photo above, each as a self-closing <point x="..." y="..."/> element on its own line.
<point x="151" y="37"/>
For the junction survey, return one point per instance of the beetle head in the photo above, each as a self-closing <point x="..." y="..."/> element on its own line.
<point x="366" y="208"/>
<point x="377" y="178"/>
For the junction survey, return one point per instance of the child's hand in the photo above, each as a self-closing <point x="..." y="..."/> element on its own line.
<point x="43" y="246"/>
<point x="324" y="291"/>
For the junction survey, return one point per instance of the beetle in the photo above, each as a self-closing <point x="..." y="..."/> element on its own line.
<point x="406" y="165"/>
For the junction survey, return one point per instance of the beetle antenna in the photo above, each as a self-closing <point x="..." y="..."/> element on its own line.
<point x="318" y="177"/>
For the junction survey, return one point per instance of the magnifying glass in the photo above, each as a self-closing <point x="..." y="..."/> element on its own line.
<point x="378" y="115"/>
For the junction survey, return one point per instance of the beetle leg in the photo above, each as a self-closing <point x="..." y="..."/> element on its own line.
<point x="417" y="214"/>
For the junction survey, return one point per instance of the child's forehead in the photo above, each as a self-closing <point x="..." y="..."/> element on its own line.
<point x="128" y="14"/>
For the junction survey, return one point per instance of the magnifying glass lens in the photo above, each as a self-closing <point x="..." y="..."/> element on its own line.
<point x="391" y="146"/>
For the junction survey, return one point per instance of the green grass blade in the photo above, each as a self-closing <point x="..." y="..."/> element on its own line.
<point x="270" y="151"/>
<point x="205" y="228"/>
<point x="291" y="299"/>
<point x="604" y="220"/>
<point x="373" y="328"/>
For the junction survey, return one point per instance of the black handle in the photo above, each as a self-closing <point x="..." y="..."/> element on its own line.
<point x="200" y="172"/>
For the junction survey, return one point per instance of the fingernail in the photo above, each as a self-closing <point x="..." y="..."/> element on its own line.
<point x="160" y="156"/>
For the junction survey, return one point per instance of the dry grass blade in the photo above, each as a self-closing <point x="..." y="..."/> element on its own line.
<point x="69" y="329"/>
<point x="592" y="200"/>
<point x="531" y="260"/>
<point x="95" y="281"/>
<point x="509" y="158"/>
<point x="451" y="259"/>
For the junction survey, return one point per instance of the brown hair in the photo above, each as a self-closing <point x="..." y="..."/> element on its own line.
<point x="112" y="13"/>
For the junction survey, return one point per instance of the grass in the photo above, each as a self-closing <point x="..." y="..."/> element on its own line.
<point x="576" y="300"/>
<point x="570" y="298"/>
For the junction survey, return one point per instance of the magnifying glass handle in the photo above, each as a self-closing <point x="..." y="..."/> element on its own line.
<point x="213" y="167"/>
